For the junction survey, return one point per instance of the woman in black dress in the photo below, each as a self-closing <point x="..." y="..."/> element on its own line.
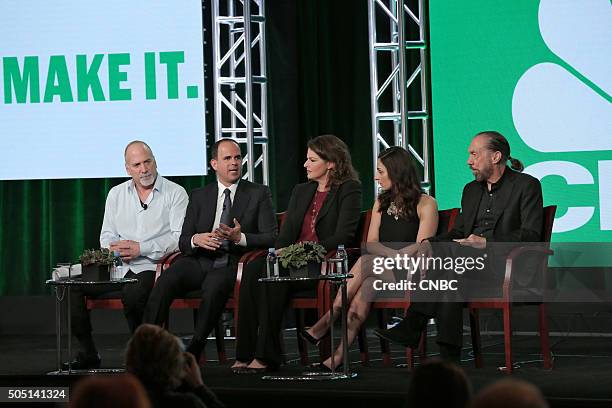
<point x="402" y="213"/>
<point x="326" y="210"/>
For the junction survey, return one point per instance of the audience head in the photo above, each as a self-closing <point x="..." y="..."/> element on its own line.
<point x="433" y="376"/>
<point x="118" y="391"/>
<point x="156" y="357"/>
<point x="488" y="154"/>
<point x="140" y="164"/>
<point x="226" y="161"/>
<point x="510" y="393"/>
<point x="328" y="161"/>
<point x="397" y="177"/>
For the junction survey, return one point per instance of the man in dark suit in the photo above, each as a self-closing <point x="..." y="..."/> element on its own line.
<point x="500" y="205"/>
<point x="223" y="221"/>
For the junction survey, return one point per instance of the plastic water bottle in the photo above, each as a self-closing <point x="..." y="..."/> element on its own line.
<point x="116" y="267"/>
<point x="271" y="264"/>
<point x="342" y="256"/>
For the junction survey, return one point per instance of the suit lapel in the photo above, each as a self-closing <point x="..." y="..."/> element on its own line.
<point x="241" y="200"/>
<point x="211" y="207"/>
<point x="327" y="203"/>
<point x="473" y="205"/>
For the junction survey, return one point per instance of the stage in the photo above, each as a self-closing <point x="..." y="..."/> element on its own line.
<point x="580" y="378"/>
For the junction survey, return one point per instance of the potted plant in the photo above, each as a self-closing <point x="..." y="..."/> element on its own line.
<point x="302" y="259"/>
<point x="96" y="264"/>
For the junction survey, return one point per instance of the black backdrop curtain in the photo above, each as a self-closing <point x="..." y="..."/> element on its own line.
<point x="318" y="83"/>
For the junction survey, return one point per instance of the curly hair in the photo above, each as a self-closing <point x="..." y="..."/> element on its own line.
<point x="405" y="191"/>
<point x="156" y="357"/>
<point x="334" y="150"/>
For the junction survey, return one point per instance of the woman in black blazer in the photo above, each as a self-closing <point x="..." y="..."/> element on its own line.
<point x="326" y="210"/>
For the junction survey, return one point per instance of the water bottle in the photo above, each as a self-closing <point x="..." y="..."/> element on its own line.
<point x="272" y="264"/>
<point x="342" y="256"/>
<point x="117" y="266"/>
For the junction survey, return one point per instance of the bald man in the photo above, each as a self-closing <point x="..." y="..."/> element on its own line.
<point x="143" y="218"/>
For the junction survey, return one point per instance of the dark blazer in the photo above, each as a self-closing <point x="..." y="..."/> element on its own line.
<point x="252" y="207"/>
<point x="337" y="221"/>
<point x="520" y="221"/>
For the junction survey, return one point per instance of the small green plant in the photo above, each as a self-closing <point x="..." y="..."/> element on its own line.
<point x="96" y="256"/>
<point x="298" y="255"/>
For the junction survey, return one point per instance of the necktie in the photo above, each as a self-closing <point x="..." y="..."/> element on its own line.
<point x="221" y="261"/>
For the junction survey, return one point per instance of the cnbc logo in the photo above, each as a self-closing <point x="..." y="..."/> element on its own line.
<point x="84" y="78"/>
<point x="567" y="107"/>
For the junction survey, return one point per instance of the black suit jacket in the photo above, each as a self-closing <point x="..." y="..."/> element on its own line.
<point x="520" y="221"/>
<point x="337" y="221"/>
<point x="252" y="207"/>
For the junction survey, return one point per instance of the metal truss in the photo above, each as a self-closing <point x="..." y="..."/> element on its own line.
<point x="398" y="78"/>
<point x="239" y="80"/>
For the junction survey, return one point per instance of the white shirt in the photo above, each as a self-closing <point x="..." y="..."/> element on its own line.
<point x="157" y="228"/>
<point x="220" y="200"/>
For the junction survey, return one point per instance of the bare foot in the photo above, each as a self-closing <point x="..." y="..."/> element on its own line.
<point x="257" y="364"/>
<point x="240" y="364"/>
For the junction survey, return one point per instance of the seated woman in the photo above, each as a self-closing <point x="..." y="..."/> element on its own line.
<point x="401" y="213"/>
<point x="326" y="210"/>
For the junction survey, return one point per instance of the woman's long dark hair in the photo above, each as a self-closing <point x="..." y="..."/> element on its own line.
<point x="405" y="189"/>
<point x="334" y="150"/>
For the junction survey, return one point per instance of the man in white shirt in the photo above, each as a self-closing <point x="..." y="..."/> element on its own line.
<point x="142" y="220"/>
<point x="223" y="221"/>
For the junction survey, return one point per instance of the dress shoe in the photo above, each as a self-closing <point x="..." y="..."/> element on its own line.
<point x="322" y="368"/>
<point x="84" y="362"/>
<point x="252" y="370"/>
<point x="310" y="339"/>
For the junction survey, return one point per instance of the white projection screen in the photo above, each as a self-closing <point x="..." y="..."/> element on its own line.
<point x="79" y="79"/>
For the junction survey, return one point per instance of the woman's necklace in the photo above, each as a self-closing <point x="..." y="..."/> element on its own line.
<point x="393" y="211"/>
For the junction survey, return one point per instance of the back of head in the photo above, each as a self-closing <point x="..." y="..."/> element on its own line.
<point x="156" y="357"/>
<point x="498" y="143"/>
<point x="120" y="391"/>
<point x="332" y="149"/>
<point x="435" y="375"/>
<point x="510" y="393"/>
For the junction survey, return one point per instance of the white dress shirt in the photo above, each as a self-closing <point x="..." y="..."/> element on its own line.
<point x="157" y="228"/>
<point x="220" y="199"/>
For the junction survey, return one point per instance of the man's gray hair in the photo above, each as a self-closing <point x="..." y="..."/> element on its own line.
<point x="140" y="142"/>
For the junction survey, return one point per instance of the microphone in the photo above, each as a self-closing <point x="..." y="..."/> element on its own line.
<point x="143" y="205"/>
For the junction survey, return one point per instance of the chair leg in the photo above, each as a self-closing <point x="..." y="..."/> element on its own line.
<point x="423" y="345"/>
<point x="363" y="346"/>
<point x="508" y="337"/>
<point x="475" y="331"/>
<point x="220" y="342"/>
<point x="544" y="341"/>
<point x="384" y="344"/>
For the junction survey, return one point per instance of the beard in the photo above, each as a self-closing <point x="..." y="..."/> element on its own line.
<point x="147" y="179"/>
<point x="483" y="174"/>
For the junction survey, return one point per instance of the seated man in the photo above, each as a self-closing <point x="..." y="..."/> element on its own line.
<point x="501" y="205"/>
<point x="223" y="221"/>
<point x="142" y="220"/>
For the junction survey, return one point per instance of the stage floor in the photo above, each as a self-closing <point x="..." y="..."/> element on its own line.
<point x="582" y="374"/>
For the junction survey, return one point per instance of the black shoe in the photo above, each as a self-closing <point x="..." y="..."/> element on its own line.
<point x="195" y="347"/>
<point x="400" y="334"/>
<point x="322" y="368"/>
<point x="253" y="370"/>
<point x="310" y="339"/>
<point x="84" y="362"/>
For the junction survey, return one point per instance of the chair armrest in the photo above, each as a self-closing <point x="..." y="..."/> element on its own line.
<point x="514" y="255"/>
<point x="244" y="260"/>
<point x="165" y="262"/>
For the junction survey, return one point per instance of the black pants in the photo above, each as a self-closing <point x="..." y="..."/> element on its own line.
<point x="260" y="314"/>
<point x="187" y="274"/>
<point x="447" y="307"/>
<point x="134" y="297"/>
